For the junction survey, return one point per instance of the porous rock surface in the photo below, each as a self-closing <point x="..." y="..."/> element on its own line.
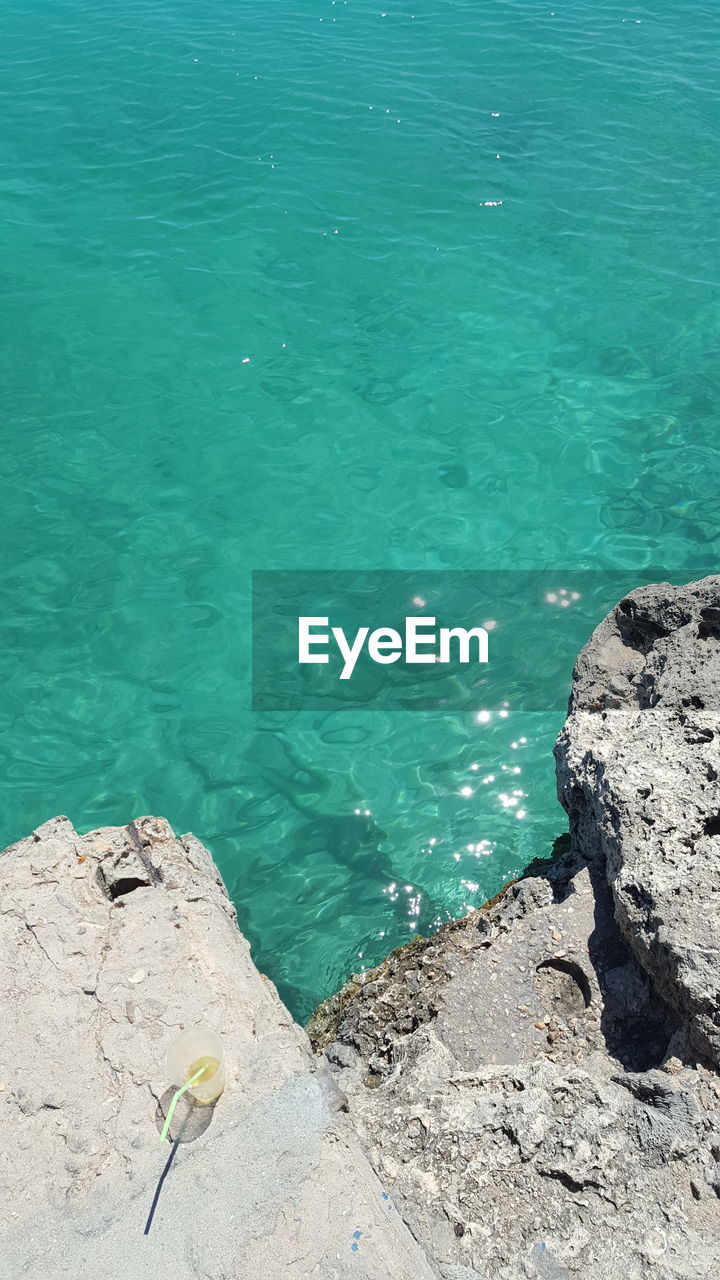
<point x="638" y="764"/>
<point x="537" y="1084"/>
<point x="110" y="943"/>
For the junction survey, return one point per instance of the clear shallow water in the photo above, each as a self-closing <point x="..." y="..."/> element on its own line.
<point x="305" y="286"/>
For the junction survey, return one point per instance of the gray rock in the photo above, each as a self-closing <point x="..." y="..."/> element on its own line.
<point x="530" y="1080"/>
<point x="638" y="764"/>
<point x="110" y="943"/>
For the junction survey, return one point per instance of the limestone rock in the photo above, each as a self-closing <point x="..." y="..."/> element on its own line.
<point x="531" y="1081"/>
<point x="534" y="1105"/>
<point x="638" y="764"/>
<point x="111" y="942"/>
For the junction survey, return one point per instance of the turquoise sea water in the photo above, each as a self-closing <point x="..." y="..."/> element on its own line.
<point x="328" y="285"/>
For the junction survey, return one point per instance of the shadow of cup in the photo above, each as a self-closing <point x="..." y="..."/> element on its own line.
<point x="191" y="1119"/>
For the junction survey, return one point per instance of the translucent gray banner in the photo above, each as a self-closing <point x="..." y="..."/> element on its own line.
<point x="428" y="640"/>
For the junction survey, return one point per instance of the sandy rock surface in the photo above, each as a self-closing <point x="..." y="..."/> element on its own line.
<point x="111" y="942"/>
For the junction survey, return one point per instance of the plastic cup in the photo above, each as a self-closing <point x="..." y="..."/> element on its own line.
<point x="191" y="1050"/>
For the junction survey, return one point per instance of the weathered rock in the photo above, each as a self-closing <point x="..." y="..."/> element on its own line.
<point x="544" y="1116"/>
<point x="530" y="1081"/>
<point x="110" y="943"/>
<point x="638" y="766"/>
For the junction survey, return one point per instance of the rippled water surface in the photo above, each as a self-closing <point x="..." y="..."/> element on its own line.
<point x="322" y="285"/>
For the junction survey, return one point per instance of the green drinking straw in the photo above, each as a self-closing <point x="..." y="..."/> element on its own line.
<point x="173" y="1104"/>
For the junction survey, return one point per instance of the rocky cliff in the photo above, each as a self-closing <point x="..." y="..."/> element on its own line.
<point x="532" y="1092"/>
<point x="538" y="1083"/>
<point x="110" y="943"/>
<point x="638" y="763"/>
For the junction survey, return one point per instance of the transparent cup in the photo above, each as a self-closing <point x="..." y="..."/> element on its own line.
<point x="190" y="1051"/>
